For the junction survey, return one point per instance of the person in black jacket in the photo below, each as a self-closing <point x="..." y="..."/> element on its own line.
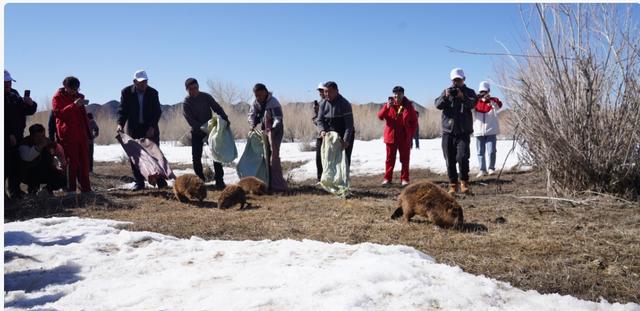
<point x="456" y="103"/>
<point x="140" y="110"/>
<point x="196" y="109"/>
<point x="335" y="114"/>
<point x="16" y="110"/>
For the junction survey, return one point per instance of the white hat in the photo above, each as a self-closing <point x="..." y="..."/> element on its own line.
<point x="7" y="77"/>
<point x="321" y="86"/>
<point x="484" y="86"/>
<point x="140" y="75"/>
<point x="456" y="73"/>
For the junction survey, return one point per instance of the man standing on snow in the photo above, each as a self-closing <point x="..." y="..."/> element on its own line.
<point x="400" y="125"/>
<point x="140" y="110"/>
<point x="335" y="114"/>
<point x="456" y="103"/>
<point x="197" y="109"/>
<point x="72" y="126"/>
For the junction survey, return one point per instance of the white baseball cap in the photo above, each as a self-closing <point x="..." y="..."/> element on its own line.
<point x="484" y="86"/>
<point x="7" y="77"/>
<point x="321" y="86"/>
<point x="140" y="75"/>
<point x="456" y="73"/>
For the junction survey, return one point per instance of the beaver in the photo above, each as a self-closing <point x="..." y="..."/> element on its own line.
<point x="253" y="185"/>
<point x="189" y="187"/>
<point x="428" y="200"/>
<point x="232" y="195"/>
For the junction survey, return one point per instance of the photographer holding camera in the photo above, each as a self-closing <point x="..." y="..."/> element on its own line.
<point x="486" y="127"/>
<point x="456" y="103"/>
<point x="72" y="126"/>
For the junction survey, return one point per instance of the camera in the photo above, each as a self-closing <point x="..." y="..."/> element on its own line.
<point x="453" y="91"/>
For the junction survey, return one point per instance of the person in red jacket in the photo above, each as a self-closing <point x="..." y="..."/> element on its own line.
<point x="400" y="125"/>
<point x="72" y="126"/>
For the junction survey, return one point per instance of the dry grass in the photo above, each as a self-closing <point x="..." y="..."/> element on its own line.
<point x="588" y="251"/>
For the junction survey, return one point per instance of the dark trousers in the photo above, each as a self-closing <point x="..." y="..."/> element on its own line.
<point x="319" y="157"/>
<point x="456" y="151"/>
<point x="44" y="173"/>
<point x="91" y="156"/>
<point x="347" y="153"/>
<point x="12" y="167"/>
<point x="197" y="142"/>
<point x="137" y="132"/>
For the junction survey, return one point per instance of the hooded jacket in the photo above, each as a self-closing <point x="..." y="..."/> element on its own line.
<point x="485" y="117"/>
<point x="269" y="114"/>
<point x="401" y="121"/>
<point x="72" y="124"/>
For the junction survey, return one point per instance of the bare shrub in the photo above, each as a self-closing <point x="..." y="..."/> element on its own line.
<point x="367" y="124"/>
<point x="575" y="97"/>
<point x="430" y="123"/>
<point x="173" y="125"/>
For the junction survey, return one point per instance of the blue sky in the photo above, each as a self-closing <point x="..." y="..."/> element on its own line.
<point x="365" y="48"/>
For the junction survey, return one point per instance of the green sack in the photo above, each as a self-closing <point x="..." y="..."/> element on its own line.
<point x="220" y="140"/>
<point x="335" y="177"/>
<point x="253" y="161"/>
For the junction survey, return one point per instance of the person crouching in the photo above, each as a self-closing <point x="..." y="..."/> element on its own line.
<point x="40" y="162"/>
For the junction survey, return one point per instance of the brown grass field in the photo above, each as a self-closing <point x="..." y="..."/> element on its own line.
<point x="589" y="248"/>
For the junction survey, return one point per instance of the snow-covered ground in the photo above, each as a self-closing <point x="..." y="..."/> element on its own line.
<point x="367" y="158"/>
<point x="86" y="264"/>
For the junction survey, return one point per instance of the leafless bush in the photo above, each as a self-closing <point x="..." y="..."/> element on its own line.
<point x="430" y="124"/>
<point x="173" y="125"/>
<point x="576" y="97"/>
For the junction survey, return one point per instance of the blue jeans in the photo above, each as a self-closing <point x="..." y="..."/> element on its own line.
<point x="488" y="143"/>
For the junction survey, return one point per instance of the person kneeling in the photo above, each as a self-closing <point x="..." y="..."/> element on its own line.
<point x="41" y="163"/>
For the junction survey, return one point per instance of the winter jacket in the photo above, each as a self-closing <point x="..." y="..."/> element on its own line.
<point x="336" y="116"/>
<point x="15" y="114"/>
<point x="197" y="110"/>
<point x="485" y="117"/>
<point x="269" y="114"/>
<point x="400" y="121"/>
<point x="72" y="124"/>
<point x="456" y="113"/>
<point x="129" y="112"/>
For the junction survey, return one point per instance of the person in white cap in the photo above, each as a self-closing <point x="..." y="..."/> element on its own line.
<point x="140" y="110"/>
<point x="316" y="104"/>
<point x="456" y="103"/>
<point x="16" y="110"/>
<point x="486" y="127"/>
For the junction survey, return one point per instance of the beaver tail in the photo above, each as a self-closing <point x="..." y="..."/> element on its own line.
<point x="397" y="214"/>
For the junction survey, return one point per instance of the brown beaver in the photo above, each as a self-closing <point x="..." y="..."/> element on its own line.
<point x="428" y="200"/>
<point x="253" y="185"/>
<point x="189" y="187"/>
<point x="232" y="195"/>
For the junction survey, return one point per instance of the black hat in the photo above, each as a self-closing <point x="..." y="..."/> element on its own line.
<point x="190" y="81"/>
<point x="331" y="84"/>
<point x="398" y="89"/>
<point x="259" y="87"/>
